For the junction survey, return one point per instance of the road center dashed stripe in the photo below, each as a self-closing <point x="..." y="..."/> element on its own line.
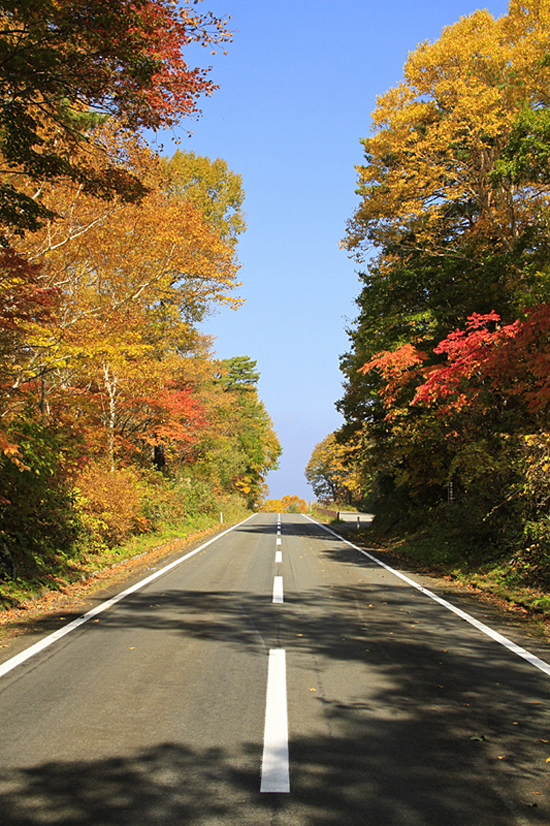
<point x="275" y="761"/>
<point x="278" y="596"/>
<point x="494" y="635"/>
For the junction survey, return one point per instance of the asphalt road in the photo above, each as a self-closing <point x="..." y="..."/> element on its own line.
<point x="398" y="711"/>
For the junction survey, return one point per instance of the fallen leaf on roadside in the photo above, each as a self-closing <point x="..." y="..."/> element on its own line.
<point x="313" y="689"/>
<point x="548" y="759"/>
<point x="543" y="741"/>
<point x="132" y="648"/>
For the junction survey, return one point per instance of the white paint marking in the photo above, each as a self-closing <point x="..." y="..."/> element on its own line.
<point x="71" y="626"/>
<point x="494" y="635"/>
<point x="278" y="596"/>
<point x="275" y="762"/>
<point x="278" y="557"/>
<point x="278" y="540"/>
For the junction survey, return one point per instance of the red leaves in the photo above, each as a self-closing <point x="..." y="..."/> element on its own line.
<point x="127" y="56"/>
<point x="177" y="416"/>
<point x="22" y="297"/>
<point x="397" y="368"/>
<point x="508" y="360"/>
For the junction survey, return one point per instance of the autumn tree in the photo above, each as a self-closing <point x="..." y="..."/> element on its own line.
<point x="333" y="472"/>
<point x="287" y="504"/>
<point x="453" y="210"/>
<point x="212" y="188"/>
<point x="66" y="66"/>
<point x="106" y="367"/>
<point x="293" y="504"/>
<point x="272" y="506"/>
<point x="453" y="215"/>
<point x="243" y="447"/>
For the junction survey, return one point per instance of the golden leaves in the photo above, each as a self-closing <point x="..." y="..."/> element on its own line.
<point x="438" y="133"/>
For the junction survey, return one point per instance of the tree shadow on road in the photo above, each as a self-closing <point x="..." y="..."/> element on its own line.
<point x="366" y="772"/>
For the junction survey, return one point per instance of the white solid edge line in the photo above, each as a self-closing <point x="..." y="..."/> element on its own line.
<point x="494" y="635"/>
<point x="275" y="760"/>
<point x="278" y="590"/>
<point x="71" y="626"/>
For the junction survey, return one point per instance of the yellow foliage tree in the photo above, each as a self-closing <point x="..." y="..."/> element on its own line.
<point x="132" y="280"/>
<point x="438" y="135"/>
<point x="334" y="472"/>
<point x="288" y="504"/>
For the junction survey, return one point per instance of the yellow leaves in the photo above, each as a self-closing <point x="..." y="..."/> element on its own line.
<point x="438" y="132"/>
<point x="332" y="468"/>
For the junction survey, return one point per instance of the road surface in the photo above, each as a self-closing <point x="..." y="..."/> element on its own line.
<point x="277" y="677"/>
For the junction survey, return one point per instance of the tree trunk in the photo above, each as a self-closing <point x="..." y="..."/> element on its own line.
<point x="111" y="388"/>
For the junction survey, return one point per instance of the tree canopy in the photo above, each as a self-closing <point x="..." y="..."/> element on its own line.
<point x="115" y="416"/>
<point x="66" y="65"/>
<point x="446" y="375"/>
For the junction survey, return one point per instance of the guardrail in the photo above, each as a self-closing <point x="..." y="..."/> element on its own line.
<point x="327" y="512"/>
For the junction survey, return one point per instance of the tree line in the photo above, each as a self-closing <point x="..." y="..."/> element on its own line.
<point x="446" y="396"/>
<point x="115" y="415"/>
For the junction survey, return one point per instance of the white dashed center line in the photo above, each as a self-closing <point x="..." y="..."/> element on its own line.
<point x="275" y="763"/>
<point x="278" y="590"/>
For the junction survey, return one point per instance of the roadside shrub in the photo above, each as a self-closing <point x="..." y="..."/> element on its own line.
<point x="109" y="504"/>
<point x="530" y="564"/>
<point x="37" y="518"/>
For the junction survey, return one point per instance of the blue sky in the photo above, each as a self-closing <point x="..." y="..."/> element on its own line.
<point x="296" y="91"/>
